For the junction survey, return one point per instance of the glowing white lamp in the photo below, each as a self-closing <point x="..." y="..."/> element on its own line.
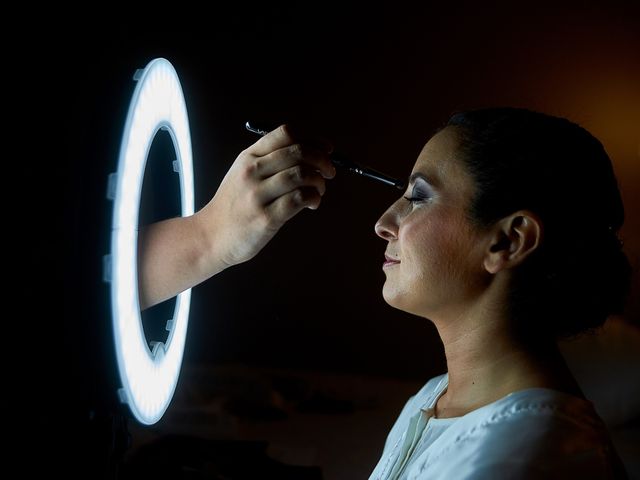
<point x="149" y="375"/>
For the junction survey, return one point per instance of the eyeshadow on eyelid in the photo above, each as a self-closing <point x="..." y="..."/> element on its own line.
<point x="422" y="186"/>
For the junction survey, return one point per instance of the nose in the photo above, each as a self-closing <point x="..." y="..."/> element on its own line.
<point x="387" y="225"/>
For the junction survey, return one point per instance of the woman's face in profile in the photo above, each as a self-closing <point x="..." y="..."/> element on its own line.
<point x="434" y="256"/>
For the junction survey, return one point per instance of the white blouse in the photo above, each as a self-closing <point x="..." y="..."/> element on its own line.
<point x="533" y="433"/>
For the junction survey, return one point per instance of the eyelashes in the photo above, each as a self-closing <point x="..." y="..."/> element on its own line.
<point x="419" y="194"/>
<point x="415" y="199"/>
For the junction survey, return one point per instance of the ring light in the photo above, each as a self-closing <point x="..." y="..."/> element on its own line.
<point x="148" y="374"/>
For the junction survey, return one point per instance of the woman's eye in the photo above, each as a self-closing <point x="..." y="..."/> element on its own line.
<point x="418" y="195"/>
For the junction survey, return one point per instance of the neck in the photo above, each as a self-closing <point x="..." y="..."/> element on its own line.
<point x="490" y="358"/>
<point x="487" y="361"/>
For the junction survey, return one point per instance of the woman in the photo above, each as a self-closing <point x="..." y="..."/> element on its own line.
<point x="505" y="240"/>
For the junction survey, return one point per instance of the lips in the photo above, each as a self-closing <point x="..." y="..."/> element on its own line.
<point x="389" y="261"/>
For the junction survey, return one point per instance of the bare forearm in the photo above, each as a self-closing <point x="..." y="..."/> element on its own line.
<point x="174" y="255"/>
<point x="269" y="183"/>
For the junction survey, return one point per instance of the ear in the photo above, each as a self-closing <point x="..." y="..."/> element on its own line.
<point x="513" y="239"/>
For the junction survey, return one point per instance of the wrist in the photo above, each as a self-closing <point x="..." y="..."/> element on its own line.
<point x="208" y="230"/>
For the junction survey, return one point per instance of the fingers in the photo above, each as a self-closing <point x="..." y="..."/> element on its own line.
<point x="288" y="173"/>
<point x="284" y="136"/>
<point x="274" y="140"/>
<point x="288" y="205"/>
<point x="280" y="150"/>
<point x="297" y="177"/>
<point x="296" y="154"/>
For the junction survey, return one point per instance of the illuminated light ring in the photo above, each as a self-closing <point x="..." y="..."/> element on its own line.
<point x="149" y="377"/>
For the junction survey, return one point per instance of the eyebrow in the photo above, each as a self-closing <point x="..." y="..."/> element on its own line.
<point x="423" y="177"/>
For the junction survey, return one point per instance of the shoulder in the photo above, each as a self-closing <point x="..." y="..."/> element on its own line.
<point x="534" y="433"/>
<point x="538" y="423"/>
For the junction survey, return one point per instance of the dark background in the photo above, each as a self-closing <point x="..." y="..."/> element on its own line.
<point x="378" y="82"/>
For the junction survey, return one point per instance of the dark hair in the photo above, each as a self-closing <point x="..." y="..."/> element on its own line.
<point x="522" y="159"/>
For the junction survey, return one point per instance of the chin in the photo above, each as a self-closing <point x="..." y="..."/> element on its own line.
<point x="401" y="301"/>
<point x="394" y="298"/>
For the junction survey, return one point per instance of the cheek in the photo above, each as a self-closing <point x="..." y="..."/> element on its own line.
<point x="437" y="248"/>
